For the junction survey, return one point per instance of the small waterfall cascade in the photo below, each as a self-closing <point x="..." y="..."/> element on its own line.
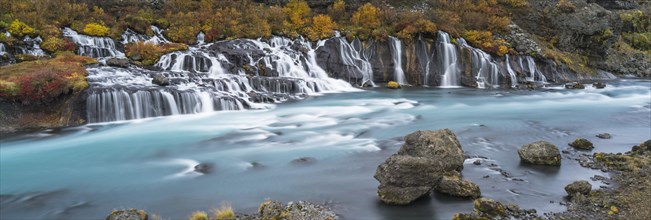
<point x="484" y="68"/>
<point x="425" y="58"/>
<point x="355" y="60"/>
<point x="533" y="74"/>
<point x="396" y="55"/>
<point x="514" y="78"/>
<point x="201" y="38"/>
<point x="32" y="46"/>
<point x="96" y="47"/>
<point x="130" y="36"/>
<point x="448" y="58"/>
<point x="3" y="50"/>
<point x="209" y="77"/>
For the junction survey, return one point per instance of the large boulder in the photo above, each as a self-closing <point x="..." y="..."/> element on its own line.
<point x="118" y="62"/>
<point x="489" y="207"/>
<point x="418" y="166"/>
<point x="540" y="153"/>
<point x="581" y="187"/>
<point x="161" y="80"/>
<point x="452" y="184"/>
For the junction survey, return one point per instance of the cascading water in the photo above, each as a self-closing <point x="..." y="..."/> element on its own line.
<point x="514" y="78"/>
<point x="448" y="61"/>
<point x="199" y="83"/>
<point x="486" y="71"/>
<point x="201" y="38"/>
<point x="396" y="55"/>
<point x="31" y="47"/>
<point x="534" y="74"/>
<point x="355" y="62"/>
<point x="96" y="47"/>
<point x="3" y="50"/>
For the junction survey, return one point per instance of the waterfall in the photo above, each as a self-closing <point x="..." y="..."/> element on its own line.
<point x="31" y="47"/>
<point x="3" y="50"/>
<point x="448" y="60"/>
<point x="514" y="78"/>
<point x="534" y="74"/>
<point x="396" y="55"/>
<point x="425" y="58"/>
<point x="96" y="47"/>
<point x="486" y="71"/>
<point x="200" y="83"/>
<point x="355" y="61"/>
<point x="201" y="38"/>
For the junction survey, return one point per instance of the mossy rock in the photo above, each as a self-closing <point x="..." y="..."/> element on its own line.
<point x="393" y="85"/>
<point x="582" y="144"/>
<point x="490" y="207"/>
<point x="540" y="153"/>
<point x="131" y="214"/>
<point x="582" y="187"/>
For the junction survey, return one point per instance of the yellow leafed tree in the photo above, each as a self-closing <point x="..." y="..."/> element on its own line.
<point x="322" y="27"/>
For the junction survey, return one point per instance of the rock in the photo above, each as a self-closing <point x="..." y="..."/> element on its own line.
<point x="204" y="168"/>
<point x="418" y="166"/>
<point x="574" y="85"/>
<point x="642" y="148"/>
<point x="522" y="41"/>
<point x="303" y="160"/>
<point x="118" y="62"/>
<point x="441" y="146"/>
<point x="604" y="136"/>
<point x="477" y="162"/>
<point x="489" y="207"/>
<point x="582" y="144"/>
<point x="466" y="216"/>
<point x="161" y="80"/>
<point x="294" y="211"/>
<point x="131" y="214"/>
<point x="540" y="153"/>
<point x="599" y="85"/>
<point x="581" y="187"/>
<point x="393" y="85"/>
<point x="452" y="184"/>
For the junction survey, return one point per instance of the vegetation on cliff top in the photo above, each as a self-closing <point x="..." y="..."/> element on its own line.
<point x="44" y="80"/>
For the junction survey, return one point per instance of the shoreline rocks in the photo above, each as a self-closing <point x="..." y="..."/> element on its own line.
<point x="419" y="166"/>
<point x="582" y="144"/>
<point x="540" y="153"/>
<point x="581" y="187"/>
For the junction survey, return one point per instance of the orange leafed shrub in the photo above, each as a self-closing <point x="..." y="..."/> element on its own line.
<point x="322" y="27"/>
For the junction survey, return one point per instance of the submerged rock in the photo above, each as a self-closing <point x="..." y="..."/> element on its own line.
<point x="582" y="144"/>
<point x="418" y="166"/>
<point x="540" y="153"/>
<point x="581" y="187"/>
<point x="304" y="160"/>
<point x="452" y="184"/>
<point x="204" y="168"/>
<point x="131" y="214"/>
<point x="604" y="136"/>
<point x="599" y="85"/>
<point x="574" y="85"/>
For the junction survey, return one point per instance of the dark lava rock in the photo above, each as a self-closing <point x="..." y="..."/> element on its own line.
<point x="160" y="80"/>
<point x="642" y="148"/>
<point x="118" y="62"/>
<point x="540" y="153"/>
<point x="582" y="144"/>
<point x="418" y="166"/>
<point x="604" y="136"/>
<point x="304" y="160"/>
<point x="131" y="214"/>
<point x="477" y="162"/>
<point x="204" y="168"/>
<point x="574" y="85"/>
<point x="581" y="187"/>
<point x="599" y="85"/>
<point x="452" y="184"/>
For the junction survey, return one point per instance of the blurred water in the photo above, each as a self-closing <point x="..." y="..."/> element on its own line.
<point x="85" y="172"/>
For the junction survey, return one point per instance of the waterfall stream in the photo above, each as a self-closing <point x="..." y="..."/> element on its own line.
<point x="449" y="57"/>
<point x="96" y="47"/>
<point x="396" y="55"/>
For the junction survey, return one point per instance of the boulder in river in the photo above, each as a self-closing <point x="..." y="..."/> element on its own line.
<point x="599" y="85"/>
<point x="574" y="85"/>
<point x="452" y="184"/>
<point x="131" y="214"/>
<point x="604" y="136"/>
<point x="582" y="144"/>
<point x="540" y="153"/>
<point x="118" y="62"/>
<point x="393" y="85"/>
<point x="160" y="80"/>
<point x="490" y="208"/>
<point x="418" y="166"/>
<point x="581" y="187"/>
<point x="204" y="168"/>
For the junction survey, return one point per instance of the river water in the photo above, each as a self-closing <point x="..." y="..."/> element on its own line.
<point x="85" y="172"/>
